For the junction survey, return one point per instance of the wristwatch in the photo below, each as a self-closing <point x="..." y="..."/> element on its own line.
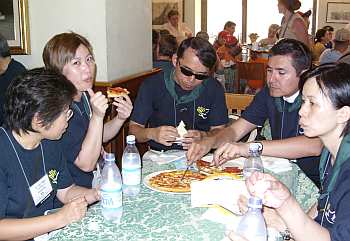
<point x="257" y="145"/>
<point x="286" y="235"/>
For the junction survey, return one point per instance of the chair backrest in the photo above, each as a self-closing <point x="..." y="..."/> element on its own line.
<point x="237" y="102"/>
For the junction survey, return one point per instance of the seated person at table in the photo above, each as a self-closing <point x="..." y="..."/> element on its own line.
<point x="33" y="170"/>
<point x="271" y="36"/>
<point x="71" y="54"/>
<point x="230" y="49"/>
<point x="185" y="93"/>
<point x="167" y="47"/>
<point x="340" y="47"/>
<point x="325" y="97"/>
<point x="9" y="68"/>
<point x="278" y="102"/>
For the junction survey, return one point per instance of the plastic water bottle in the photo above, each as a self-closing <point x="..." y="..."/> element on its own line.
<point x="244" y="53"/>
<point x="111" y="190"/>
<point x="131" y="168"/>
<point x="253" y="163"/>
<point x="252" y="225"/>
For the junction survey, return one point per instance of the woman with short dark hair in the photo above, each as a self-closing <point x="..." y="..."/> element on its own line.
<point x="33" y="170"/>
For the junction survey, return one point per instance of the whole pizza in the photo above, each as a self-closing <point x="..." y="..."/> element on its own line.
<point x="170" y="181"/>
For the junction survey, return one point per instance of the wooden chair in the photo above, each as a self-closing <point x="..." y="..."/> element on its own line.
<point x="236" y="103"/>
<point x="252" y="71"/>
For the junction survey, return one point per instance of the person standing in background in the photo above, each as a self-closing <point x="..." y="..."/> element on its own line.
<point x="9" y="68"/>
<point x="178" y="29"/>
<point x="292" y="25"/>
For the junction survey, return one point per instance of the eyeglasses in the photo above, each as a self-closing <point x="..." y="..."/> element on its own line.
<point x="69" y="114"/>
<point x="188" y="72"/>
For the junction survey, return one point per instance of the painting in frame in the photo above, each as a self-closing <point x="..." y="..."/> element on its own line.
<point x="338" y="12"/>
<point x="161" y="8"/>
<point x="14" y="25"/>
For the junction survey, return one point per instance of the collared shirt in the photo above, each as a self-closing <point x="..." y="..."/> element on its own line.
<point x="180" y="32"/>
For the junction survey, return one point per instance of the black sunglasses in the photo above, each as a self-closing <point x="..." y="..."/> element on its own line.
<point x="188" y="72"/>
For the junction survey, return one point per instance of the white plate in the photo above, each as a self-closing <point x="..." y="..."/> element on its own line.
<point x="149" y="176"/>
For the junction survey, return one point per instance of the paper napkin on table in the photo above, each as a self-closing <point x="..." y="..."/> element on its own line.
<point x="165" y="157"/>
<point x="276" y="164"/>
<point x="224" y="192"/>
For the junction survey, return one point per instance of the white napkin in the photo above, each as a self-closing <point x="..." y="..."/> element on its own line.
<point x="165" y="157"/>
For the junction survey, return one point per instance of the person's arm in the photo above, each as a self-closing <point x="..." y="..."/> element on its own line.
<point x="165" y="135"/>
<point x="112" y="127"/>
<point x="232" y="133"/>
<point x="196" y="135"/>
<point x="73" y="192"/>
<point x="36" y="226"/>
<point x="300" y="31"/>
<point x="92" y="143"/>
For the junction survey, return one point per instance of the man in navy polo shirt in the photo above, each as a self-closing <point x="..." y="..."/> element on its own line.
<point x="279" y="102"/>
<point x="184" y="93"/>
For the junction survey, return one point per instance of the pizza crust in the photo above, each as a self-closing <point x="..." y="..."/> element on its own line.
<point x="113" y="92"/>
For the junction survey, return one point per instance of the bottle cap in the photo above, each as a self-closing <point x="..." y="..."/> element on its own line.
<point x="130" y="139"/>
<point x="254" y="202"/>
<point x="109" y="156"/>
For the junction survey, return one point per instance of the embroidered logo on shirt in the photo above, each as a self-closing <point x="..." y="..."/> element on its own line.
<point x="202" y="112"/>
<point x="330" y="214"/>
<point x="53" y="175"/>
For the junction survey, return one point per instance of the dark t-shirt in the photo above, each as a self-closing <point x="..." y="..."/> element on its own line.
<point x="14" y="68"/>
<point x="15" y="198"/>
<point x="156" y="107"/>
<point x="284" y="124"/>
<point x="72" y="141"/>
<point x="336" y="214"/>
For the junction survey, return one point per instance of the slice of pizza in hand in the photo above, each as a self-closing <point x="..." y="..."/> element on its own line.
<point x="113" y="92"/>
<point x="181" y="129"/>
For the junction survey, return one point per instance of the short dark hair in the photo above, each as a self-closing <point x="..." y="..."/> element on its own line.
<point x="319" y="34"/>
<point x="204" y="50"/>
<point x="298" y="51"/>
<point x="334" y="82"/>
<point x="167" y="45"/>
<point x="4" y="47"/>
<point x="229" y="24"/>
<point x="328" y="28"/>
<point x="39" y="91"/>
<point x="291" y="5"/>
<point x="173" y="12"/>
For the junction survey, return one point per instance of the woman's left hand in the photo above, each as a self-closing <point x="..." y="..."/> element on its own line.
<point x="124" y="107"/>
<point x="191" y="136"/>
<point x="92" y="195"/>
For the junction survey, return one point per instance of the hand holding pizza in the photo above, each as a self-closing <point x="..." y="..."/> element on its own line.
<point x="99" y="103"/>
<point x="124" y="107"/>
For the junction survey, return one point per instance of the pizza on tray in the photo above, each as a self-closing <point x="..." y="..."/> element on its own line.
<point x="206" y="168"/>
<point x="113" y="92"/>
<point x="170" y="181"/>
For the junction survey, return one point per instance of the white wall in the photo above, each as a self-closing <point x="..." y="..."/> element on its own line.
<point x="129" y="37"/>
<point x="322" y="13"/>
<point x="192" y="9"/>
<point x="119" y="31"/>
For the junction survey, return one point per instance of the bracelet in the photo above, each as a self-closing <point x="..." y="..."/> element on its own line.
<point x="286" y="235"/>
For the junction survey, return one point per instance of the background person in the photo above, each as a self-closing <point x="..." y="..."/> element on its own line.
<point x="292" y="24"/>
<point x="36" y="114"/>
<point x="319" y="44"/>
<point x="271" y="36"/>
<point x="341" y="45"/>
<point x="9" y="68"/>
<point x="71" y="54"/>
<point x="186" y="93"/>
<point x="177" y="28"/>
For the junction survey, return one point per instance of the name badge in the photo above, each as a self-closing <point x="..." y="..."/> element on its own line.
<point x="41" y="190"/>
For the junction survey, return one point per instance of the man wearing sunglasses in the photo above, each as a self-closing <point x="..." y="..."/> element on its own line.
<point x="187" y="93"/>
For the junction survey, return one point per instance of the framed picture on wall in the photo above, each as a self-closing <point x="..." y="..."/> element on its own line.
<point x="161" y="8"/>
<point x="338" y="12"/>
<point x="14" y="25"/>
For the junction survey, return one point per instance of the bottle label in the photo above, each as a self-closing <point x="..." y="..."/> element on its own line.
<point x="131" y="176"/>
<point x="111" y="199"/>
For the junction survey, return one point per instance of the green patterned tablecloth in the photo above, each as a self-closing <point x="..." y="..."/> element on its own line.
<point x="159" y="216"/>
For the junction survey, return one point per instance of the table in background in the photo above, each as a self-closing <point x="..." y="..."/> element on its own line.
<point x="159" y="216"/>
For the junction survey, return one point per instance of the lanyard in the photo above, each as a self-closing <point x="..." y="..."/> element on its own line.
<point x="19" y="160"/>
<point x="86" y="105"/>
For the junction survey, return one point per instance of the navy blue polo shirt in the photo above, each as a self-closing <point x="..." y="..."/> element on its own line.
<point x="15" y="198"/>
<point x="156" y="107"/>
<point x="336" y="214"/>
<point x="72" y="141"/>
<point x="284" y="124"/>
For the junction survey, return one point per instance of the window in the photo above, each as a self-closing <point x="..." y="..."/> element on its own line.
<point x="260" y="14"/>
